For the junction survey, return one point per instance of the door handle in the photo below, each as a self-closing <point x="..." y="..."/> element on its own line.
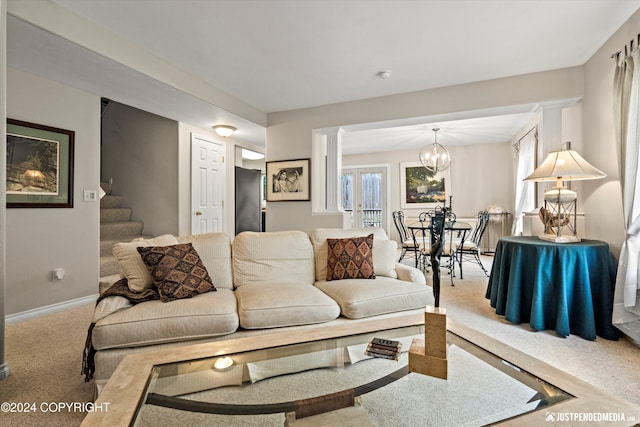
<point x="198" y="213"/>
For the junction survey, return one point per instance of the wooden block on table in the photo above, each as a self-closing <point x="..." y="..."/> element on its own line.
<point x="425" y="364"/>
<point x="435" y="325"/>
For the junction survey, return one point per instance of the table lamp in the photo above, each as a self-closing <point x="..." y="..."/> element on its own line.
<point x="559" y="202"/>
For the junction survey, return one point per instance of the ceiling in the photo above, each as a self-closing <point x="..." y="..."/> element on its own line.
<point x="280" y="55"/>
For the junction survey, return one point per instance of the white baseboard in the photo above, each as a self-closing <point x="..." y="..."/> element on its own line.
<point x="49" y="309"/>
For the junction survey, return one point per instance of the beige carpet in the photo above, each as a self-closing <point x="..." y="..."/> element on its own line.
<point x="45" y="354"/>
<point x="610" y="365"/>
<point x="45" y="359"/>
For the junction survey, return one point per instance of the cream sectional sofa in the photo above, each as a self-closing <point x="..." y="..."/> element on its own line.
<point x="263" y="281"/>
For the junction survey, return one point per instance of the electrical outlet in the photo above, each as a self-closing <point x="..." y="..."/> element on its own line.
<point x="58" y="273"/>
<point x="90" y="195"/>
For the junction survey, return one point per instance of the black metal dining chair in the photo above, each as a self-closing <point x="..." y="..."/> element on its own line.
<point x="408" y="243"/>
<point x="472" y="247"/>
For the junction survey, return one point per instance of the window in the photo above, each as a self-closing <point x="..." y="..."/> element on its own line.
<point x="525" y="154"/>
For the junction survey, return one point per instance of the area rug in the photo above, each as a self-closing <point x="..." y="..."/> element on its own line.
<point x="474" y="394"/>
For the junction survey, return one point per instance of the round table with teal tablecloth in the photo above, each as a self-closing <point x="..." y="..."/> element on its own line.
<point x="567" y="287"/>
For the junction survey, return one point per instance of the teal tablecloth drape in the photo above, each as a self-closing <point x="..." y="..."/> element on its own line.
<point x="566" y="287"/>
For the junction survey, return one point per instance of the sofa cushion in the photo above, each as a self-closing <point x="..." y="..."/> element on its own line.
<point x="177" y="271"/>
<point x="277" y="304"/>
<point x="385" y="254"/>
<point x="154" y="322"/>
<point x="350" y="258"/>
<point x="383" y="257"/>
<point x="282" y="256"/>
<point x="215" y="252"/>
<point x="363" y="298"/>
<point x="130" y="262"/>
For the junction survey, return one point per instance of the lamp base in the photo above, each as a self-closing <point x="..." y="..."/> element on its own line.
<point x="559" y="239"/>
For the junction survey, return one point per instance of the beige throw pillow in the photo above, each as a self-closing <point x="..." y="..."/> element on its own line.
<point x="131" y="265"/>
<point x="385" y="254"/>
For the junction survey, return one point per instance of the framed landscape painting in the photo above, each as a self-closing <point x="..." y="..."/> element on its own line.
<point x="39" y="166"/>
<point x="420" y="188"/>
<point x="288" y="180"/>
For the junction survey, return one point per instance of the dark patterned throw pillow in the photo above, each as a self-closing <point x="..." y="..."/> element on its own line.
<point x="350" y="258"/>
<point x="177" y="271"/>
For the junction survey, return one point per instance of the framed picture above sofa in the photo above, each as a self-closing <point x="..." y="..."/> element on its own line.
<point x="289" y="180"/>
<point x="39" y="166"/>
<point x="420" y="188"/>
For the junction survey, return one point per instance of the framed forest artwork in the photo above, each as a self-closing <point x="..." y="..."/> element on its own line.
<point x="39" y="166"/>
<point x="420" y="188"/>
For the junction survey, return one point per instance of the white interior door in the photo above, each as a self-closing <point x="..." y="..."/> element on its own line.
<point x="364" y="195"/>
<point x="207" y="185"/>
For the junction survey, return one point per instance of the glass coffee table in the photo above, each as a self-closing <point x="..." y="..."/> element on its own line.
<point x="322" y="375"/>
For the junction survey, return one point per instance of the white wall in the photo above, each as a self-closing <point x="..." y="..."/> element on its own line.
<point x="64" y="23"/>
<point x="289" y="133"/>
<point x="39" y="240"/>
<point x="140" y="152"/>
<point x="602" y="199"/>
<point x="480" y="176"/>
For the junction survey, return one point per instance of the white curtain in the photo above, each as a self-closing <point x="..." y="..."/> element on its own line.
<point x="525" y="154"/>
<point x="626" y="93"/>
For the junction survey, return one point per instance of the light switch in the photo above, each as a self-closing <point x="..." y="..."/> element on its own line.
<point x="90" y="195"/>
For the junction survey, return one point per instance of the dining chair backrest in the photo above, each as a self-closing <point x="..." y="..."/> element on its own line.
<point x="398" y="220"/>
<point x="481" y="226"/>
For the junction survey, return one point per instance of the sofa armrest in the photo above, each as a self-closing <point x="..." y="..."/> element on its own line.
<point x="110" y="305"/>
<point x="410" y="274"/>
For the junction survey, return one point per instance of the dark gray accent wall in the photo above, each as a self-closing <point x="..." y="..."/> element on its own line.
<point x="140" y="155"/>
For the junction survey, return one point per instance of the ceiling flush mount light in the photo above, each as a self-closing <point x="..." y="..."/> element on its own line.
<point x="559" y="210"/>
<point x="251" y="155"/>
<point x="384" y="74"/>
<point x="224" y="130"/>
<point x="435" y="157"/>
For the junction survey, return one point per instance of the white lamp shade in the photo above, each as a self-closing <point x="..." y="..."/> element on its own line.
<point x="566" y="165"/>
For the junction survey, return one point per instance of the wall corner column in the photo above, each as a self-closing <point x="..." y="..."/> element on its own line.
<point x="4" y="367"/>
<point x="334" y="170"/>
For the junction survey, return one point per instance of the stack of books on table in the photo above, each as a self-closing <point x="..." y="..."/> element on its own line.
<point x="383" y="348"/>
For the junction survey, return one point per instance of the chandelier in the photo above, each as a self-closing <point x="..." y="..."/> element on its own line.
<point x="435" y="157"/>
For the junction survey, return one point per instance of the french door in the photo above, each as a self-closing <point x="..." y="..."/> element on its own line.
<point x="364" y="196"/>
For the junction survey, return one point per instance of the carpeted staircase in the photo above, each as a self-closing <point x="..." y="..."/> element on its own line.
<point x="115" y="226"/>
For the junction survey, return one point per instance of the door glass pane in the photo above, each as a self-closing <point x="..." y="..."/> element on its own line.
<point x="371" y="199"/>
<point x="347" y="194"/>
